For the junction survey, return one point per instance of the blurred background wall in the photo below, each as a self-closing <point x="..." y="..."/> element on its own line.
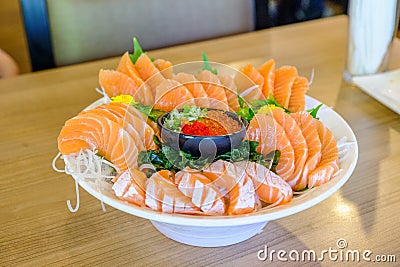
<point x="278" y="12"/>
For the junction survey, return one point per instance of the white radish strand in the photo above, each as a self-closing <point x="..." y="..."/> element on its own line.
<point x="311" y="77"/>
<point x="86" y="165"/>
<point x="248" y="90"/>
<point x="106" y="98"/>
<point x="53" y="163"/>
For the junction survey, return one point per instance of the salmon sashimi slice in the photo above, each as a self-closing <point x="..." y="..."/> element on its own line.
<point x="100" y="134"/>
<point x="307" y="126"/>
<point x="130" y="186"/>
<point x="195" y="88"/>
<point x="270" y="187"/>
<point x="298" y="142"/>
<point x="129" y="128"/>
<point x="78" y="134"/>
<point x="89" y="127"/>
<point x="271" y="136"/>
<point x="214" y="90"/>
<point x="284" y="79"/>
<point x="163" y="195"/>
<point x="204" y="194"/>
<point x="118" y="146"/>
<point x="249" y="83"/>
<point x="131" y="111"/>
<point x="171" y="94"/>
<point x="149" y="72"/>
<point x="297" y="101"/>
<point x="329" y="163"/>
<point x="165" y="68"/>
<point x="234" y="183"/>
<point x="117" y="83"/>
<point x="126" y="66"/>
<point x="130" y="120"/>
<point x="230" y="90"/>
<point x="267" y="71"/>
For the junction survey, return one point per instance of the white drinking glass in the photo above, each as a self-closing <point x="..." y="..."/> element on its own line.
<point x="372" y="31"/>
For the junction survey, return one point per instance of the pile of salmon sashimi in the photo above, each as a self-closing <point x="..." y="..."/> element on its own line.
<point x="109" y="141"/>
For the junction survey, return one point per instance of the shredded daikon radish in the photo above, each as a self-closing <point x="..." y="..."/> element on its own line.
<point x="248" y="90"/>
<point x="343" y="148"/>
<point x="86" y="165"/>
<point x="53" y="164"/>
<point x="106" y="98"/>
<point x="372" y="25"/>
<point x="311" y="77"/>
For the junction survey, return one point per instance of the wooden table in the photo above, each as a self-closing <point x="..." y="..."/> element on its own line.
<point x="37" y="228"/>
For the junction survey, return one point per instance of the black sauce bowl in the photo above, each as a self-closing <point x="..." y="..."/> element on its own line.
<point x="205" y="146"/>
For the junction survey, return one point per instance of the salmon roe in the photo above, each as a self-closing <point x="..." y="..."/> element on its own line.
<point x="206" y="127"/>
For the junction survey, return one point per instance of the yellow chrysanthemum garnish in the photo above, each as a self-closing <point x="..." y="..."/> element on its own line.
<point x="267" y="109"/>
<point x="127" y="99"/>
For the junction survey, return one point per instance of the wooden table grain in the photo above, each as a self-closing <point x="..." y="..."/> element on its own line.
<point x="37" y="229"/>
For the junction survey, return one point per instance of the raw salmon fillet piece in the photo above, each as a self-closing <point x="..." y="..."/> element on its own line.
<point x="118" y="83"/>
<point x="98" y="133"/>
<point x="250" y="83"/>
<point x="163" y="195"/>
<point x="298" y="142"/>
<point x="307" y="126"/>
<point x="284" y="79"/>
<point x="233" y="183"/>
<point x="171" y="94"/>
<point x="214" y="90"/>
<point x="201" y="190"/>
<point x="130" y="186"/>
<point x="267" y="70"/>
<point x="297" y="101"/>
<point x="271" y="136"/>
<point x="148" y="72"/>
<point x="270" y="187"/>
<point x="329" y="163"/>
<point x="195" y="88"/>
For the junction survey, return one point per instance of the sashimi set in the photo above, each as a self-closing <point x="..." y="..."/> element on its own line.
<point x="274" y="147"/>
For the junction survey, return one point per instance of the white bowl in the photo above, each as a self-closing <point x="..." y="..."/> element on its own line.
<point x="215" y="231"/>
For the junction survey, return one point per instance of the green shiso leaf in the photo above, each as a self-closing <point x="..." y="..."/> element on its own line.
<point x="137" y="50"/>
<point x="149" y="111"/>
<point x="167" y="158"/>
<point x="257" y="104"/>
<point x="313" y="112"/>
<point x="207" y="65"/>
<point x="244" y="111"/>
<point x="189" y="113"/>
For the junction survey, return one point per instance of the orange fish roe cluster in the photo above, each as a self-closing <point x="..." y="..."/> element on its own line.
<point x="204" y="127"/>
<point x="196" y="128"/>
<point x="215" y="127"/>
<point x="230" y="125"/>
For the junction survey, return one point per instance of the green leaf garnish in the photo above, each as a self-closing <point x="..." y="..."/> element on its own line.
<point x="257" y="104"/>
<point x="149" y="111"/>
<point x="313" y="112"/>
<point x="244" y="111"/>
<point x="189" y="113"/>
<point x="167" y="158"/>
<point x="207" y="65"/>
<point x="137" y="50"/>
